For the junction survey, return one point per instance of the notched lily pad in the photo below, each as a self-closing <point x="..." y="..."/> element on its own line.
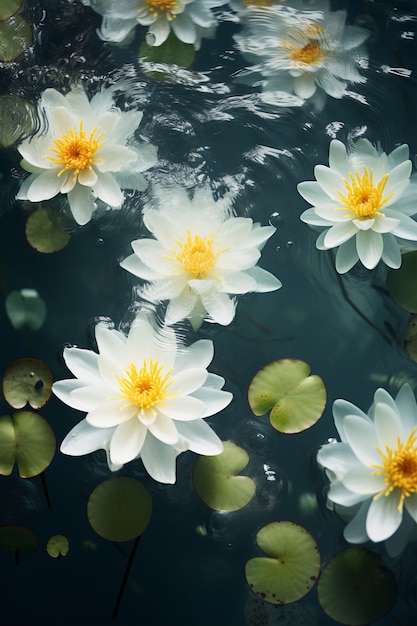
<point x="216" y="479"/>
<point x="9" y="8"/>
<point x="171" y="52"/>
<point x="44" y="232"/>
<point x="27" y="381"/>
<point x="18" y="117"/>
<point x="27" y="440"/>
<point x="119" y="509"/>
<point x="296" y="399"/>
<point x="18" y="539"/>
<point x="292" y="566"/>
<point x="355" y="588"/>
<point x="402" y="283"/>
<point x="25" y="309"/>
<point x="57" y="546"/>
<point x="15" y="37"/>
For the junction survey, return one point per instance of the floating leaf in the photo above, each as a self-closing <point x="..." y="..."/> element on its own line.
<point x="9" y="8"/>
<point x="402" y="283"/>
<point x="171" y="52"/>
<point x="355" y="588"/>
<point x="57" y="546"/>
<point x="292" y="566"/>
<point x="17" y="118"/>
<point x="295" y="398"/>
<point x="27" y="381"/>
<point x="18" y="539"/>
<point x="216" y="482"/>
<point x="15" y="37"/>
<point x="27" y="440"/>
<point x="44" y="232"/>
<point x="119" y="509"/>
<point x="25" y="309"/>
<point x="410" y="338"/>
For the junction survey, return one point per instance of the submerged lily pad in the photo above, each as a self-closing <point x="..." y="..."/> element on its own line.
<point x="57" y="546"/>
<point x="18" y="539"/>
<point x="119" y="509"/>
<point x="216" y="481"/>
<point x="402" y="283"/>
<point x="296" y="399"/>
<point x="25" y="309"/>
<point x="17" y="118"/>
<point x="410" y="338"/>
<point x="15" y="37"/>
<point x="27" y="381"/>
<point x="292" y="566"/>
<point x="171" y="52"/>
<point x="27" y="440"/>
<point x="44" y="232"/>
<point x="9" y="8"/>
<point x="355" y="588"/>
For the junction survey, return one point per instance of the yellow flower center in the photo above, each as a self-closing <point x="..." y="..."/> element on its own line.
<point x="75" y="151"/>
<point x="158" y="7"/>
<point x="147" y="387"/>
<point x="196" y="254"/>
<point x="399" y="468"/>
<point x="362" y="197"/>
<point x="311" y="52"/>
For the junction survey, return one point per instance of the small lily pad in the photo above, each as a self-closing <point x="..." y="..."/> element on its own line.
<point x="44" y="232"/>
<point x="296" y="399"/>
<point x="15" y="37"/>
<point x="17" y="118"/>
<point x="119" y="509"/>
<point x="18" y="539"/>
<point x="25" y="309"/>
<point x="9" y="8"/>
<point x="57" y="546"/>
<point x="171" y="52"/>
<point x="27" y="440"/>
<point x="402" y="283"/>
<point x="27" y="381"/>
<point x="355" y="588"/>
<point x="292" y="566"/>
<point x="216" y="481"/>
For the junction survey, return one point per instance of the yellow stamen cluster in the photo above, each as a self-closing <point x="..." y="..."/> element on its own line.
<point x="159" y="7"/>
<point x="362" y="197"/>
<point x="311" y="52"/>
<point x="399" y="469"/>
<point x="196" y="254"/>
<point x="147" y="387"/>
<point x="76" y="151"/>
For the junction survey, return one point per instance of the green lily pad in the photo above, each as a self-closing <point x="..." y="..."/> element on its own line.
<point x="25" y="309"/>
<point x="216" y="482"/>
<point x="27" y="440"/>
<point x="355" y="588"/>
<point x="15" y="37"/>
<point x="292" y="566"/>
<point x="119" y="509"/>
<point x="44" y="232"/>
<point x="17" y="118"/>
<point x="171" y="52"/>
<point x="296" y="399"/>
<point x="9" y="8"/>
<point x="27" y="381"/>
<point x="17" y="539"/>
<point x="402" y="283"/>
<point x="57" y="546"/>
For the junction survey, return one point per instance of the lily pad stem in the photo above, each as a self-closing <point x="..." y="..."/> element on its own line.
<point x="125" y="577"/>
<point x="45" y="490"/>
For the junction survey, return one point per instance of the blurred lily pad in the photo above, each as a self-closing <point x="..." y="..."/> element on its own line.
<point x="44" y="232"/>
<point x="15" y="37"/>
<point x="27" y="381"/>
<point x="57" y="546"/>
<point x="355" y="588"/>
<point x="119" y="509"/>
<point x="9" y="8"/>
<point x="17" y="118"/>
<point x="216" y="479"/>
<point x="410" y="338"/>
<point x="18" y="539"/>
<point x="27" y="440"/>
<point x="292" y="566"/>
<point x="402" y="283"/>
<point x="296" y="399"/>
<point x="25" y="308"/>
<point x="171" y="52"/>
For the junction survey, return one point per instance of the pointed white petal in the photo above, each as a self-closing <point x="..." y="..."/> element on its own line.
<point x="127" y="441"/>
<point x="383" y="517"/>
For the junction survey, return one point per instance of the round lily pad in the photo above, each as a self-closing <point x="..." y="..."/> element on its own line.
<point x="44" y="232"/>
<point x="18" y="539"/>
<point x="402" y="283"/>
<point x="27" y="440"/>
<point x="9" y="8"/>
<point x="292" y="566"/>
<point x="17" y="118"/>
<point x="57" y="546"/>
<point x="216" y="481"/>
<point x="25" y="309"/>
<point x="171" y="52"/>
<point x="355" y="588"/>
<point x="296" y="399"/>
<point x="15" y="37"/>
<point x="119" y="509"/>
<point x="27" y="381"/>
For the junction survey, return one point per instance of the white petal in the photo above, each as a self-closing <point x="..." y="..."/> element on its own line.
<point x="215" y="400"/>
<point x="330" y="181"/>
<point x="83" y="364"/>
<point x="111" y="413"/>
<point x="407" y="408"/>
<point x="341" y="408"/>
<point x="369" y="246"/>
<point x="339" y="233"/>
<point x="338" y="159"/>
<point x="82" y="205"/>
<point x="361" y="436"/>
<point x="310" y="217"/>
<point x="355" y="531"/>
<point x="199" y="354"/>
<point x="383" y="517"/>
<point x="127" y="441"/>
<point x="135" y="266"/>
<point x="86" y="177"/>
<point x="200" y="437"/>
<point x="337" y="457"/>
<point x="238" y="282"/>
<point x="219" y="306"/>
<point x="411" y="505"/>
<point x="183" y="408"/>
<point x="84" y="438"/>
<point x="346" y="256"/>
<point x="391" y="254"/>
<point x="90" y="396"/>
<point x="187" y="381"/>
<point x="362" y="481"/>
<point x="312" y="192"/>
<point x="339" y="494"/>
<point x="114" y="158"/>
<point x="36" y="151"/>
<point x="265" y="281"/>
<point x="184" y="28"/>
<point x="107" y="189"/>
<point x="180" y="308"/>
<point x="388" y="426"/>
<point x="44" y="186"/>
<point x="63" y="390"/>
<point x="163" y="428"/>
<point x="159" y="459"/>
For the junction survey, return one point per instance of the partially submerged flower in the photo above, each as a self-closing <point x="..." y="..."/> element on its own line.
<point x="373" y="470"/>
<point x="362" y="203"/>
<point x="189" y="20"/>
<point x="145" y="396"/>
<point x="200" y="255"/>
<point x="87" y="151"/>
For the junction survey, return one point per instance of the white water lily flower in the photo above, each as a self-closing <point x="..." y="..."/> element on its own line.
<point x="87" y="151"/>
<point x="200" y="255"/>
<point x="363" y="203"/>
<point x="145" y="396"/>
<point x="373" y="470"/>
<point x="302" y="55"/>
<point x="189" y="20"/>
